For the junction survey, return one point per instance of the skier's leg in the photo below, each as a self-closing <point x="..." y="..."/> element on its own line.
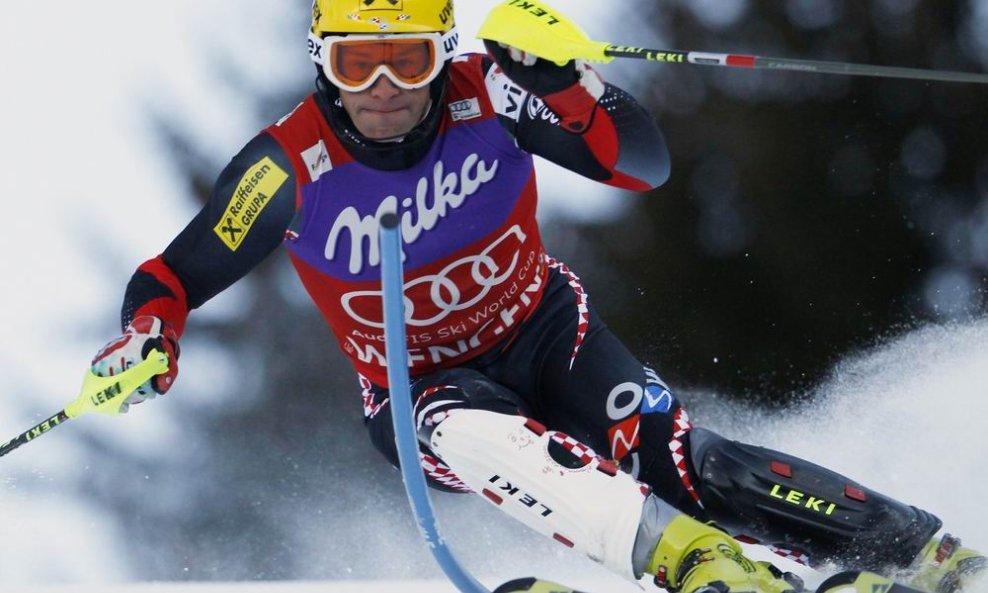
<point x="594" y="389"/>
<point x="792" y="503"/>
<point x="780" y="499"/>
<point x="577" y="378"/>
<point x="559" y="487"/>
<point x="586" y="383"/>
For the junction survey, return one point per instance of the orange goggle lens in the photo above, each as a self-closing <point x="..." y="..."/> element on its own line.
<point x="411" y="60"/>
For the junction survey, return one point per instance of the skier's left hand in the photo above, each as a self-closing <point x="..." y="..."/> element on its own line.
<point x="571" y="90"/>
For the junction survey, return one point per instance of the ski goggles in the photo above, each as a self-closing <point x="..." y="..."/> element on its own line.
<point x="355" y="62"/>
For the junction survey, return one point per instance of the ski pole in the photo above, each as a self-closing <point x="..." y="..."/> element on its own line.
<point x="99" y="394"/>
<point x="396" y="350"/>
<point x="671" y="56"/>
<point x="535" y="28"/>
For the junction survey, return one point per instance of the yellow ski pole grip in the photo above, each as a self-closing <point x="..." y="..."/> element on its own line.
<point x="535" y="28"/>
<point x="99" y="394"/>
<point x="107" y="394"/>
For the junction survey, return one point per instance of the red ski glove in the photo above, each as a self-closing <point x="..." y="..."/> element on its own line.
<point x="142" y="335"/>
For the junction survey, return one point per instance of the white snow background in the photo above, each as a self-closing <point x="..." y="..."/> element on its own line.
<point x="88" y="194"/>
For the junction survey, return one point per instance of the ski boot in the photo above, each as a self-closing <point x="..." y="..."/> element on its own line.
<point x="945" y="567"/>
<point x="692" y="557"/>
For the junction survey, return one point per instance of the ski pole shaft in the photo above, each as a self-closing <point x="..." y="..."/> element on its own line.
<point x="534" y="27"/>
<point x="669" y="56"/>
<point x="34" y="432"/>
<point x="396" y="350"/>
<point x="99" y="394"/>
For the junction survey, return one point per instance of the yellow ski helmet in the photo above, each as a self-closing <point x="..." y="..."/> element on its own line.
<point x="382" y="16"/>
<point x="334" y="18"/>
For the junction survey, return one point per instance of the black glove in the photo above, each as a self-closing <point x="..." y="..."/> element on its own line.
<point x="571" y="91"/>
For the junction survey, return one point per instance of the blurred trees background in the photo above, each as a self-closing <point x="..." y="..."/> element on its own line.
<point x="807" y="216"/>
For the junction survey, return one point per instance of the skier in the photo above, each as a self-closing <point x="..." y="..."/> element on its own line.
<point x="515" y="378"/>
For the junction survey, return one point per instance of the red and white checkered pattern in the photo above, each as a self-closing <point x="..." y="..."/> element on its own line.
<point x="584" y="453"/>
<point x="371" y="409"/>
<point x="582" y="308"/>
<point x="794" y="555"/>
<point x="681" y="426"/>
<point x="440" y="472"/>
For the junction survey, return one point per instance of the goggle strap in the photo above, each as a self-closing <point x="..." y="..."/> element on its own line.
<point x="316" y="46"/>
<point x="450" y="41"/>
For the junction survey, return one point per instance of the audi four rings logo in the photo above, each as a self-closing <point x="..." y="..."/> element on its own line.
<point x="457" y="287"/>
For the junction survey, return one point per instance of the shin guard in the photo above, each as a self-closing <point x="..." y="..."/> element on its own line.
<point x="781" y="500"/>
<point x="546" y="480"/>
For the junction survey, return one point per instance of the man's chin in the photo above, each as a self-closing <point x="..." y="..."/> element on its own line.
<point x="384" y="126"/>
<point x="383" y="135"/>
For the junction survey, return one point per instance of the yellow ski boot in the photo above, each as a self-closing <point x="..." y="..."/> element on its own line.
<point x="945" y="567"/>
<point x="692" y="557"/>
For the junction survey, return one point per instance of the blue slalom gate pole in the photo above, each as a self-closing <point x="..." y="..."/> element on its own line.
<point x="401" y="407"/>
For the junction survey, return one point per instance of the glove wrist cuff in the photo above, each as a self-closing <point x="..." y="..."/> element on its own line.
<point x="576" y="104"/>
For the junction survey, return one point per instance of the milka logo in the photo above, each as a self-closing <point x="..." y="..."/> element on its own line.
<point x="432" y="203"/>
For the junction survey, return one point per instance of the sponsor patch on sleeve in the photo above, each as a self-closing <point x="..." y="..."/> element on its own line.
<point x="249" y="199"/>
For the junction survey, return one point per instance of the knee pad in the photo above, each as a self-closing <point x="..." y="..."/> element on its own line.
<point x="546" y="480"/>
<point x="783" y="500"/>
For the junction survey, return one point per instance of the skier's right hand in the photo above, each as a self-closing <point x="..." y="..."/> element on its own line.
<point x="142" y="335"/>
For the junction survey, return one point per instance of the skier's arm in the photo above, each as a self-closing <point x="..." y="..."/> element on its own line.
<point x="574" y="119"/>
<point x="242" y="223"/>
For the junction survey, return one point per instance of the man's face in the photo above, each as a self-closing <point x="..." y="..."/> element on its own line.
<point x="385" y="110"/>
